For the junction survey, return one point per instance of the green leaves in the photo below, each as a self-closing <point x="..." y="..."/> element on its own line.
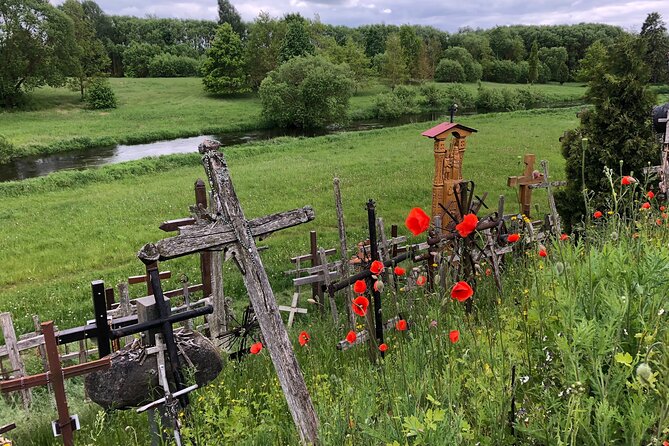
<point x="623" y="358"/>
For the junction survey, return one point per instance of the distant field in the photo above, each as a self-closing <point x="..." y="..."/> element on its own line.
<point x="154" y="109"/>
<point x="62" y="231"/>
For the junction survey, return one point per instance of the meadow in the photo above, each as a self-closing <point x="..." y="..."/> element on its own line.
<point x="572" y="329"/>
<point x="154" y="109"/>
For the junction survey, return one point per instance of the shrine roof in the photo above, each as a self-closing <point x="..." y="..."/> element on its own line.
<point x="445" y="127"/>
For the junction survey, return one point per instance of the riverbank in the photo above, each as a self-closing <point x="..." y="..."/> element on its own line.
<point x="162" y="109"/>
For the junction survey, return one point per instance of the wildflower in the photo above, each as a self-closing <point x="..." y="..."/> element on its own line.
<point x="461" y="291"/>
<point x="378" y="286"/>
<point x="665" y="215"/>
<point x="401" y="325"/>
<point x="433" y="324"/>
<point x="359" y="286"/>
<point x="418" y="221"/>
<point x="383" y="347"/>
<point x="609" y="212"/>
<point x="488" y="272"/>
<point x="376" y="267"/>
<point x="467" y="225"/>
<point x="663" y="208"/>
<point x="661" y="312"/>
<point x="665" y="443"/>
<point x="351" y="337"/>
<point x="399" y="271"/>
<point x="304" y="338"/>
<point x="644" y="371"/>
<point x="627" y="180"/>
<point x="658" y="222"/>
<point x="524" y="379"/>
<point x="650" y="194"/>
<point x="421" y="280"/>
<point x="513" y="238"/>
<point x="564" y="237"/>
<point x="542" y="252"/>
<point x="598" y="214"/>
<point x="255" y="348"/>
<point x="646" y="205"/>
<point x="454" y="335"/>
<point x="360" y="305"/>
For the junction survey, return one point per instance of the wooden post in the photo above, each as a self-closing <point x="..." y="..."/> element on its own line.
<point x="316" y="292"/>
<point x="100" y="307"/>
<point x="326" y="277"/>
<point x="529" y="177"/>
<point x="343" y="250"/>
<point x="58" y="384"/>
<point x="19" y="369"/>
<point x="373" y="247"/>
<point x="218" y="320"/>
<point x="205" y="264"/>
<point x="555" y="217"/>
<point x="40" y="348"/>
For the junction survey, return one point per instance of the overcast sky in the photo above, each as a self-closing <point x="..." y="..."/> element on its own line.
<point x="443" y="14"/>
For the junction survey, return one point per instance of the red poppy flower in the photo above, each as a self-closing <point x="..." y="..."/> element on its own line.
<point x="383" y="347"/>
<point x="663" y="208"/>
<point x="627" y="180"/>
<point x="513" y="238"/>
<point x="650" y="194"/>
<point x="304" y="338"/>
<point x="376" y="267"/>
<point x="454" y="335"/>
<point x="646" y="205"/>
<point x="401" y="325"/>
<point x="658" y="222"/>
<point x="400" y="271"/>
<point x="360" y="305"/>
<point x="255" y="348"/>
<point x="598" y="214"/>
<point x="665" y="443"/>
<point x="488" y="272"/>
<point x="461" y="291"/>
<point x="543" y="253"/>
<point x="421" y="280"/>
<point x="665" y="215"/>
<point x="564" y="237"/>
<point x="418" y="221"/>
<point x="359" y="286"/>
<point x="351" y="337"/>
<point x="467" y="225"/>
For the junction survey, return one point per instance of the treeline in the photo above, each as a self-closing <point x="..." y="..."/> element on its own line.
<point x="76" y="41"/>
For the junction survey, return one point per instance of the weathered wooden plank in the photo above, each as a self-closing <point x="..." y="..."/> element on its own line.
<point x="144" y="278"/>
<point x="327" y="281"/>
<point x="315" y="278"/>
<point x="343" y="251"/>
<point x="198" y="238"/>
<point x="14" y="354"/>
<point x="313" y="269"/>
<point x="305" y="257"/>
<point x="175" y="225"/>
<point x="260" y="290"/>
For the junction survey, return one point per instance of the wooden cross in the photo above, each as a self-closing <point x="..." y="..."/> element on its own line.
<point x="529" y="177"/>
<point x="231" y="230"/>
<point x="65" y="425"/>
<point x="555" y="225"/>
<point x="293" y="308"/>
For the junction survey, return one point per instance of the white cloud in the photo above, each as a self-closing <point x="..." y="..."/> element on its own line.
<point x="387" y="11"/>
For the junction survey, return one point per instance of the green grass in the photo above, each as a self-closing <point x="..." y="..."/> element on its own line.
<point x="156" y="109"/>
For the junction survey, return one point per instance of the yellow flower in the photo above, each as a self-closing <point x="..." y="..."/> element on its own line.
<point x="610" y="212"/>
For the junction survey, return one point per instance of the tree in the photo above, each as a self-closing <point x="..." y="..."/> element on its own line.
<point x="91" y="58"/>
<point x="307" y="92"/>
<point x="449" y="70"/>
<point x="350" y="54"/>
<point x="556" y="60"/>
<point x="296" y="42"/>
<point x="533" y="74"/>
<point x="506" y="44"/>
<point x="411" y="49"/>
<point x="473" y="70"/>
<point x="223" y="69"/>
<point x="617" y="127"/>
<point x="654" y="35"/>
<point x="36" y="47"/>
<point x="263" y="47"/>
<point x="227" y="13"/>
<point x="394" y="69"/>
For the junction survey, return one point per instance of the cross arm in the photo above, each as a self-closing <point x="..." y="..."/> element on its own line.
<point x="43" y="379"/>
<point x="203" y="237"/>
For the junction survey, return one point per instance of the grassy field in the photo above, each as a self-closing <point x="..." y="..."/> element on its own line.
<point x="572" y="328"/>
<point x="155" y="109"/>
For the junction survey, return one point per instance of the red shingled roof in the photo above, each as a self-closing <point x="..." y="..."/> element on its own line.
<point x="443" y="127"/>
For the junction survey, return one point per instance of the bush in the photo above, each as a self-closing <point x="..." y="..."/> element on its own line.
<point x="307" y="92"/>
<point x="100" y="95"/>
<point x="504" y="71"/>
<point x="511" y="99"/>
<point x="449" y="71"/>
<point x="136" y="58"/>
<point x="402" y="101"/>
<point x="489" y="99"/>
<point x="473" y="69"/>
<point x="530" y="97"/>
<point x="458" y="94"/>
<point x="434" y="98"/>
<point x="168" y="65"/>
<point x="6" y="149"/>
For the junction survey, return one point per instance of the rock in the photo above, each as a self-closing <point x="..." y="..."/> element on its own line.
<point x="132" y="379"/>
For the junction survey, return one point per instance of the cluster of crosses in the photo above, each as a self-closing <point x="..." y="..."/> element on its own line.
<point x="224" y="228"/>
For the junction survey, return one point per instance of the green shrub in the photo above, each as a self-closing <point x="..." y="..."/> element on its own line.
<point x="511" y="99"/>
<point x="402" y="101"/>
<point x="449" y="71"/>
<point x="458" y="94"/>
<point x="6" y="149"/>
<point x="434" y="98"/>
<point x="489" y="99"/>
<point x="100" y="95"/>
<point x="168" y="65"/>
<point x="136" y="58"/>
<point x="530" y="97"/>
<point x="504" y="71"/>
<point x="307" y="92"/>
<point x="473" y="69"/>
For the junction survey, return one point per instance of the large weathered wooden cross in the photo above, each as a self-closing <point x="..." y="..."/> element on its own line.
<point x="65" y="425"/>
<point x="529" y="177"/>
<point x="230" y="229"/>
<point x="555" y="225"/>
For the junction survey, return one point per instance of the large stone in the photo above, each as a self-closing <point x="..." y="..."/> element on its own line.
<point x="132" y="379"/>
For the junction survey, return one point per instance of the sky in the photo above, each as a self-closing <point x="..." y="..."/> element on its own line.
<point x="443" y="14"/>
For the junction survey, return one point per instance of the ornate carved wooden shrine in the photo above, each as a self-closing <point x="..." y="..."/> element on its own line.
<point x="447" y="167"/>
